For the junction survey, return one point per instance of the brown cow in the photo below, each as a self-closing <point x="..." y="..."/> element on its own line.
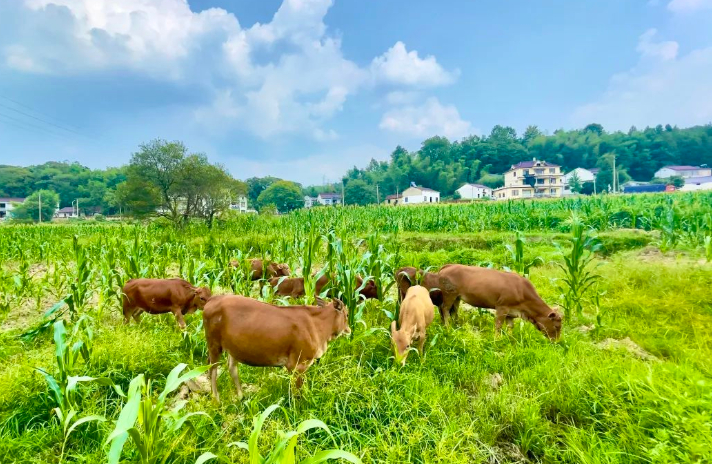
<point x="440" y="288"/>
<point x="294" y="286"/>
<point x="509" y="294"/>
<point x="158" y="296"/>
<point x="416" y="314"/>
<point x="265" y="335"/>
<point x="258" y="269"/>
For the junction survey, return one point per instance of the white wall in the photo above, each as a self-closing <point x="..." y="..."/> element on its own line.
<point x="412" y="196"/>
<point x="469" y="192"/>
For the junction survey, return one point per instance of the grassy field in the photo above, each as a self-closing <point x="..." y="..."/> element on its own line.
<point x="630" y="381"/>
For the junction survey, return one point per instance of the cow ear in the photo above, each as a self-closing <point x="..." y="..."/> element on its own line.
<point x="554" y="316"/>
<point x="338" y="304"/>
<point x="320" y="302"/>
<point x="394" y="327"/>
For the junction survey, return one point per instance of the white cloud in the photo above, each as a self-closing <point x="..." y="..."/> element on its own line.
<point x="687" y="6"/>
<point x="426" y="120"/>
<point x="664" y="50"/>
<point x="286" y="76"/>
<point x="661" y="89"/>
<point x="399" y="66"/>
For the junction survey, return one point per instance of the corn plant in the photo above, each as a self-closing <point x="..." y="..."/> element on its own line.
<point x="669" y="229"/>
<point x="309" y="247"/>
<point x="283" y="451"/>
<point x="79" y="288"/>
<point x="708" y="248"/>
<point x="154" y="428"/>
<point x="578" y="276"/>
<point x="379" y="265"/>
<point x="516" y="256"/>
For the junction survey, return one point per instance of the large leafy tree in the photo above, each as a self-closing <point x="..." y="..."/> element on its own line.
<point x="284" y="195"/>
<point x="358" y="192"/>
<point x="39" y="205"/>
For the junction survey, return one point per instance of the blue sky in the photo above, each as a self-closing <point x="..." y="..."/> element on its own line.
<point x="305" y="89"/>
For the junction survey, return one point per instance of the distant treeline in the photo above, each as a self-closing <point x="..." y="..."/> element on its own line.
<point x="439" y="164"/>
<point x="444" y="165"/>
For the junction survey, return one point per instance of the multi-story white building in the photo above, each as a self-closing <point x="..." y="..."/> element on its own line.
<point x="584" y="175"/>
<point x="531" y="179"/>
<point x="474" y="192"/>
<point x="414" y="195"/>
<point x="240" y="204"/>
<point x="6" y="206"/>
<point x="683" y="171"/>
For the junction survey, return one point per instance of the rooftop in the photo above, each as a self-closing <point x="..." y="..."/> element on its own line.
<point x="66" y="209"/>
<point x="330" y="195"/>
<point x="534" y="163"/>
<point x="475" y="186"/>
<point x="393" y="197"/>
<point x="683" y="168"/>
<point x="425" y="189"/>
<point x="11" y="200"/>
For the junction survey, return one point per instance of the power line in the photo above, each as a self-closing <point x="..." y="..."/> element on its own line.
<point x="30" y="127"/>
<point x="38" y="112"/>
<point x="41" y="120"/>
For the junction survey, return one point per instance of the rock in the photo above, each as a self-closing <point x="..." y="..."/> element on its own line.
<point x="629" y="345"/>
<point x="200" y="384"/>
<point x="586" y="328"/>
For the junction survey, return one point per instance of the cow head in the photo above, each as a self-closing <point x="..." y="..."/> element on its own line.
<point x="282" y="270"/>
<point x="401" y="344"/>
<point x="200" y="298"/>
<point x="549" y="323"/>
<point x="341" y="321"/>
<point x="370" y="291"/>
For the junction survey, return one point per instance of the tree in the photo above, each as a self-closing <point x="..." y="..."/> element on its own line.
<point x="604" y="178"/>
<point x="358" y="192"/>
<point x="575" y="184"/>
<point x="31" y="208"/>
<point x="257" y="185"/>
<point x="137" y="197"/>
<point x="677" y="181"/>
<point x="284" y="195"/>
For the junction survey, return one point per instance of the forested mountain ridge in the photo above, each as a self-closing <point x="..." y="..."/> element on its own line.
<point x="444" y="165"/>
<point x="440" y="164"/>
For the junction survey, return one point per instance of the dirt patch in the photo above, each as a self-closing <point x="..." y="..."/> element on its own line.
<point x="508" y="452"/>
<point x="628" y="345"/>
<point x="494" y="380"/>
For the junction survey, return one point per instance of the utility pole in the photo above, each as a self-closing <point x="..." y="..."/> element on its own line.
<point x="39" y="208"/>
<point x="343" y="197"/>
<point x="615" y="176"/>
<point x="378" y="196"/>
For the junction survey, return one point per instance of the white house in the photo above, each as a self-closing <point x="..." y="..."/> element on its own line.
<point x="240" y="204"/>
<point x="697" y="183"/>
<point x="584" y="175"/>
<point x="328" y="199"/>
<point x="683" y="171"/>
<point x="414" y="195"/>
<point x="309" y="201"/>
<point x="65" y="213"/>
<point x="531" y="179"/>
<point x="474" y="191"/>
<point x="6" y="206"/>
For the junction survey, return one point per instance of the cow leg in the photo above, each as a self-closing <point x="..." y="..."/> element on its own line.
<point x="444" y="314"/>
<point x="137" y="315"/>
<point x="232" y="367"/>
<point x="127" y="315"/>
<point x="214" y="353"/>
<point x="510" y="323"/>
<point x="421" y="345"/>
<point x="300" y="370"/>
<point x="499" y="319"/>
<point x="178" y="313"/>
<point x="454" y="310"/>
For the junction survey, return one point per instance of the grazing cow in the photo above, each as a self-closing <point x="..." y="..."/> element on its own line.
<point x="259" y="270"/>
<point x="294" y="286"/>
<point x="509" y="294"/>
<point x="265" y="335"/>
<point x="416" y="314"/>
<point x="158" y="296"/>
<point x="440" y="288"/>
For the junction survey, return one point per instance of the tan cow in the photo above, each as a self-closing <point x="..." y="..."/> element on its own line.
<point x="294" y="286"/>
<point x="416" y="314"/>
<point x="258" y="269"/>
<point x="440" y="288"/>
<point x="509" y="294"/>
<point x="260" y="334"/>
<point x="158" y="296"/>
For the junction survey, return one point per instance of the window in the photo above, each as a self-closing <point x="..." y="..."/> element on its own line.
<point x="526" y="193"/>
<point x="2" y="205"/>
<point x="405" y="200"/>
<point x="515" y="193"/>
<point x="539" y="171"/>
<point x="526" y="172"/>
<point x="478" y="195"/>
<point x="431" y="199"/>
<point x="540" y="181"/>
<point x="514" y="174"/>
<point x="552" y="170"/>
<point x="552" y="180"/>
<point x="553" y="191"/>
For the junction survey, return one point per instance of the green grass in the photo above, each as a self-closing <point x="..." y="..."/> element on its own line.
<point x="570" y="402"/>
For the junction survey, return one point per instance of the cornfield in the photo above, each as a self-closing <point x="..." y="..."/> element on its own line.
<point x="61" y="284"/>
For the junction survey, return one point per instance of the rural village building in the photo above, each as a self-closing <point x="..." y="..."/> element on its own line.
<point x="697" y="183"/>
<point x="65" y="213"/>
<point x="329" y="199"/>
<point x="531" y="179"/>
<point x="240" y="204"/>
<point x="393" y="199"/>
<point x="584" y="175"/>
<point x="683" y="171"/>
<point x="309" y="201"/>
<point x="474" y="192"/>
<point x="6" y="206"/>
<point x="415" y="194"/>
